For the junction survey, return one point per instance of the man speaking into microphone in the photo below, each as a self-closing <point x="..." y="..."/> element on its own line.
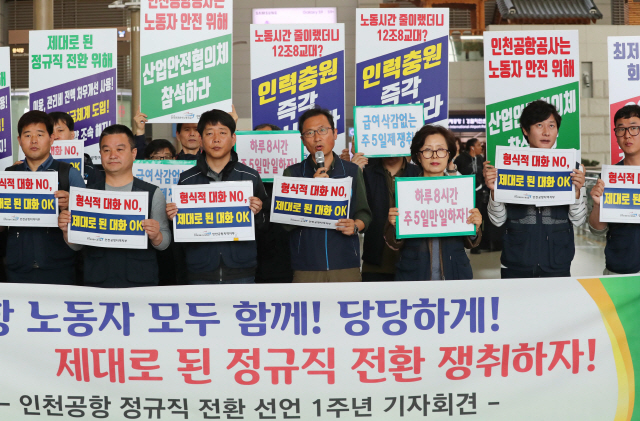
<point x="326" y="255"/>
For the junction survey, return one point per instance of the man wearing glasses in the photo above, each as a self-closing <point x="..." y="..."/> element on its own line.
<point x="623" y="240"/>
<point x="160" y="150"/>
<point x="325" y="255"/>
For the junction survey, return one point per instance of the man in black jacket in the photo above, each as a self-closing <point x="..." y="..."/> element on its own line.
<point x="226" y="262"/>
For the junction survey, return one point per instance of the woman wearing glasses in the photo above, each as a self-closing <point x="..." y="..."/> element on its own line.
<point x="444" y="258"/>
<point x="623" y="240"/>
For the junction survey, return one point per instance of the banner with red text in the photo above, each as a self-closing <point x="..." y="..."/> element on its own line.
<point x="27" y="199"/>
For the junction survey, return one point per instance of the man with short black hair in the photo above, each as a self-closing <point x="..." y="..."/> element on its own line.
<point x="159" y="150"/>
<point x="35" y="254"/>
<point x="122" y="268"/>
<point x="63" y="129"/>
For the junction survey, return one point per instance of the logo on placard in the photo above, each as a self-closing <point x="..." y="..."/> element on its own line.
<point x="187" y="115"/>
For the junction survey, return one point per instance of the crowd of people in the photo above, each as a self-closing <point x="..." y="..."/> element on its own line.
<point x="537" y="241"/>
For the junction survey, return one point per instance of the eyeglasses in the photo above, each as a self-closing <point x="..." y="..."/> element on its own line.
<point x="161" y="157"/>
<point x="311" y="133"/>
<point x="620" y="131"/>
<point x="440" y="153"/>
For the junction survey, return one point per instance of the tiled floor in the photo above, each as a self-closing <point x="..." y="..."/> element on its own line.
<point x="588" y="261"/>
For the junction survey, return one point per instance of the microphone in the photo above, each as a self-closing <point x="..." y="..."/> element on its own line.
<point x="320" y="159"/>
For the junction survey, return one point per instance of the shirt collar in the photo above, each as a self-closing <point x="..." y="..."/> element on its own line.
<point x="43" y="167"/>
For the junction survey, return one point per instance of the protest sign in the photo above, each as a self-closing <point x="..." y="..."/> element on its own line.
<point x="69" y="151"/>
<point x="163" y="173"/>
<point x="435" y="206"/>
<point x="109" y="219"/>
<point x="310" y="202"/>
<point x="402" y="57"/>
<point x="269" y="152"/>
<point x="6" y="150"/>
<point x="405" y="350"/>
<point x="386" y="130"/>
<point x="620" y="201"/>
<point x="27" y="199"/>
<point x="74" y="71"/>
<point x="186" y="59"/>
<point x="535" y="176"/>
<point x="214" y="212"/>
<point x="293" y="69"/>
<point x="525" y="66"/>
<point x="624" y="80"/>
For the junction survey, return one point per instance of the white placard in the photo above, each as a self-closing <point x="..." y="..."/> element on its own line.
<point x="162" y="173"/>
<point x="386" y="130"/>
<point x="27" y="199"/>
<point x="269" y="152"/>
<point x="620" y="201"/>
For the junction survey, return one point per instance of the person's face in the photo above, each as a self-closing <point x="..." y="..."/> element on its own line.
<point x="316" y="141"/>
<point x="116" y="153"/>
<point x="630" y="144"/>
<point x="189" y="137"/>
<point x="162" y="154"/>
<point x="438" y="161"/>
<point x="217" y="140"/>
<point x="35" y="141"/>
<point x="544" y="134"/>
<point x="62" y="132"/>
<point x="477" y="148"/>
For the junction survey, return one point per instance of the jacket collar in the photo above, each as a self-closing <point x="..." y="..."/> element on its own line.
<point x="204" y="167"/>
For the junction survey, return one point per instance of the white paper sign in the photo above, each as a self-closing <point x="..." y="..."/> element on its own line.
<point x="269" y="152"/>
<point x="214" y="212"/>
<point x="69" y="151"/>
<point x="434" y="206"/>
<point x="534" y="176"/>
<point x="310" y="202"/>
<point x="162" y="173"/>
<point x="109" y="219"/>
<point x="386" y="130"/>
<point x="26" y="199"/>
<point x="620" y="201"/>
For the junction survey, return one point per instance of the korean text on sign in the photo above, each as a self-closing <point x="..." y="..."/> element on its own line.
<point x="165" y="173"/>
<point x="214" y="212"/>
<point x="310" y="202"/>
<point x="540" y="177"/>
<point x="384" y="131"/>
<point x="620" y="201"/>
<point x="434" y="206"/>
<point x="69" y="151"/>
<point x="27" y="199"/>
<point x="269" y="152"/>
<point x="108" y="219"/>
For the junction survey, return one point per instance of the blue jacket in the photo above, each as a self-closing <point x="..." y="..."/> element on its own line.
<point x="205" y="257"/>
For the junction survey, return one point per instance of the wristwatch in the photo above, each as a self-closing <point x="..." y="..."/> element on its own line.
<point x="355" y="228"/>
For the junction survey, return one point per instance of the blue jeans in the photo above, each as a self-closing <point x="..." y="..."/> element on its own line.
<point x="248" y="280"/>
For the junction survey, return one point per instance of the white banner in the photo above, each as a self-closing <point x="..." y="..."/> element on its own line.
<point x="109" y="219"/>
<point x="69" y="151"/>
<point x="435" y="206"/>
<point x="381" y="351"/>
<point x="310" y="202"/>
<point x="6" y="137"/>
<point x="534" y="176"/>
<point x="26" y="199"/>
<point x="269" y="152"/>
<point x="163" y="173"/>
<point x="386" y="130"/>
<point x="214" y="212"/>
<point x="620" y="201"/>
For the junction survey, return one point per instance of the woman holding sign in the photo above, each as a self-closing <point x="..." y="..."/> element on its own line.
<point x="538" y="242"/>
<point x="433" y="258"/>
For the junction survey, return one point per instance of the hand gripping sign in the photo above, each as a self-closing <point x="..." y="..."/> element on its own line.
<point x="27" y="199"/>
<point x="269" y="152"/>
<point x="434" y="206"/>
<point x="620" y="201"/>
<point x="540" y="177"/>
<point x="214" y="212"/>
<point x="109" y="219"/>
<point x="310" y="202"/>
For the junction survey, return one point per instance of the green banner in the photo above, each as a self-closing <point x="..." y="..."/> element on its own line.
<point x="503" y="118"/>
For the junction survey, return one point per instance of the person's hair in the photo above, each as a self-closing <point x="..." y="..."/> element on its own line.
<point x="314" y="112"/>
<point x="158" y="145"/>
<point x="214" y="117"/>
<point x="265" y="125"/>
<point x="118" y="129"/>
<point x="471" y="143"/>
<point x="536" y="112"/>
<point x="35" y="117"/>
<point x="625" y="112"/>
<point x="427" y="130"/>
<point x="459" y="144"/>
<point x="59" y="116"/>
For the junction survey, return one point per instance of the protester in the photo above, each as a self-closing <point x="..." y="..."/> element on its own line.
<point x="36" y="254"/>
<point x="433" y="258"/>
<point x="160" y="150"/>
<point x="325" y="255"/>
<point x="116" y="267"/>
<point x="357" y="158"/>
<point x="227" y="262"/>
<point x="621" y="238"/>
<point x="538" y="241"/>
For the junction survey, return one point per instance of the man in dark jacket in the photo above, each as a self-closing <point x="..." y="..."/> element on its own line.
<point x="225" y="262"/>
